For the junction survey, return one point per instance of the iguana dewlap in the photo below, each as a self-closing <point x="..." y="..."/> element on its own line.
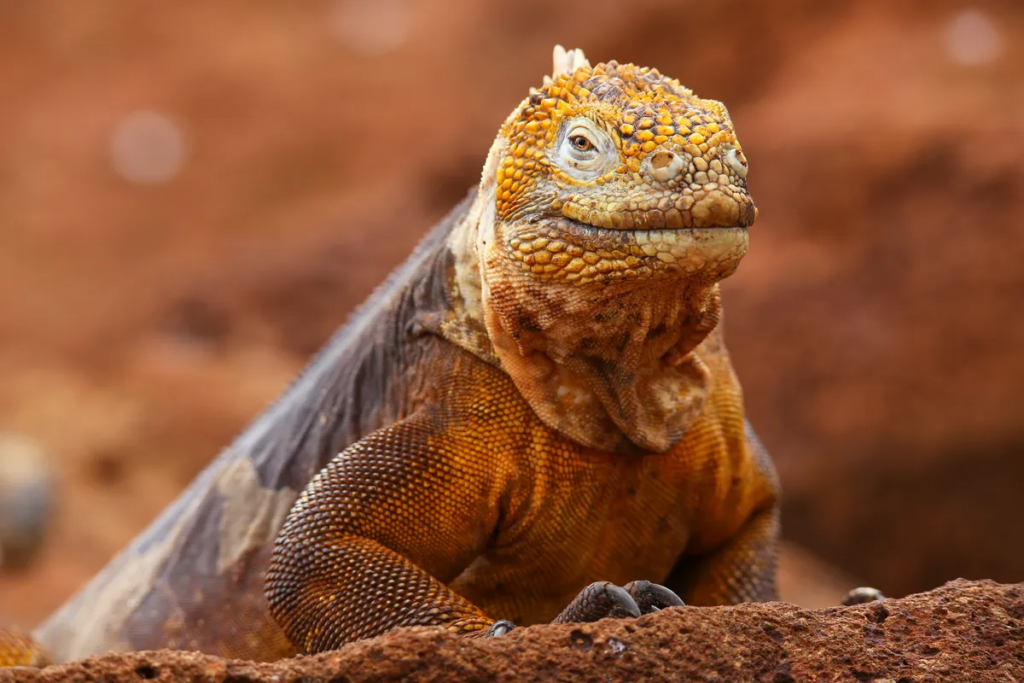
<point x="537" y="400"/>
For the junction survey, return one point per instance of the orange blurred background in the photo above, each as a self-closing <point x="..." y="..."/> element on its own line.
<point x="194" y="195"/>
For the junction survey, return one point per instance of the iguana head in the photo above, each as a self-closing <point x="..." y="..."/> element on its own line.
<point x="601" y="166"/>
<point x="612" y="203"/>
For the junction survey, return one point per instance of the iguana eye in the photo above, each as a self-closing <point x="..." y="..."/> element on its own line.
<point x="585" y="150"/>
<point x="581" y="143"/>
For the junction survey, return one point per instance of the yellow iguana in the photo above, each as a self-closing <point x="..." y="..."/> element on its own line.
<point x="534" y="419"/>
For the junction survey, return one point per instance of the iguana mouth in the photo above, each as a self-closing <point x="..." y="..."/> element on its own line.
<point x="573" y="251"/>
<point x="601" y="232"/>
<point x="718" y="208"/>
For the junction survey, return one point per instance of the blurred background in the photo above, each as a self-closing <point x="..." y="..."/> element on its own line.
<point x="180" y="184"/>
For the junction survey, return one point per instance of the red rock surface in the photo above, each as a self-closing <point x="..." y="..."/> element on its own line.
<point x="875" y="323"/>
<point x="963" y="631"/>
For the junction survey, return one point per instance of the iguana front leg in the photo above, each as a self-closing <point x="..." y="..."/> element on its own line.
<point x="377" y="534"/>
<point x="742" y="570"/>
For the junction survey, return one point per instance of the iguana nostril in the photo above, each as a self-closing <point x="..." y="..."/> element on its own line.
<point x="735" y="159"/>
<point x="665" y="166"/>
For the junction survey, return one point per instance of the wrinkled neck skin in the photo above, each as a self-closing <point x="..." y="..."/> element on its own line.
<point x="611" y="365"/>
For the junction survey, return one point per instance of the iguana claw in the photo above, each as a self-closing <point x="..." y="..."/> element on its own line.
<point x="604" y="599"/>
<point x="650" y="597"/>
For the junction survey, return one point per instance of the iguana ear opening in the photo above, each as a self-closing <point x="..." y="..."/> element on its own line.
<point x="565" y="62"/>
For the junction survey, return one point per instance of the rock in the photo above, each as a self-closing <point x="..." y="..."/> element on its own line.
<point x="963" y="631"/>
<point x="26" y="499"/>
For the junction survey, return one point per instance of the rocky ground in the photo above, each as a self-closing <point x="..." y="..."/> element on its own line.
<point x="963" y="631"/>
<point x="192" y="197"/>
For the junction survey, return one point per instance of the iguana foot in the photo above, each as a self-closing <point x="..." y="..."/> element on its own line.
<point x="650" y="597"/>
<point x="599" y="600"/>
<point x="858" y="596"/>
<point x="604" y="599"/>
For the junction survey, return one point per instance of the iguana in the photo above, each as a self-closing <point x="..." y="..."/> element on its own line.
<point x="535" y="418"/>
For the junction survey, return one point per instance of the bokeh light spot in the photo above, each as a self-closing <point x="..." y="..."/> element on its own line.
<point x="147" y="148"/>
<point x="372" y="27"/>
<point x="972" y="38"/>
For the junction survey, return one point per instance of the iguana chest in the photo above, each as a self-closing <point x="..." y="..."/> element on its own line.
<point x="577" y="516"/>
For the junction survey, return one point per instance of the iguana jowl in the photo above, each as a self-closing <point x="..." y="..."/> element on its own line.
<point x="537" y="400"/>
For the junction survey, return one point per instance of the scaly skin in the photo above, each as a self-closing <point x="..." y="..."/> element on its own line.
<point x="17" y="648"/>
<point x="531" y="419"/>
<point x="596" y="431"/>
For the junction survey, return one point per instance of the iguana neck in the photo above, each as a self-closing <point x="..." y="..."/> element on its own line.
<point x="613" y="366"/>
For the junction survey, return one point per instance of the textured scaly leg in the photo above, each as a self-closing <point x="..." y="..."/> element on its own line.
<point x="17" y="648"/>
<point x="742" y="570"/>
